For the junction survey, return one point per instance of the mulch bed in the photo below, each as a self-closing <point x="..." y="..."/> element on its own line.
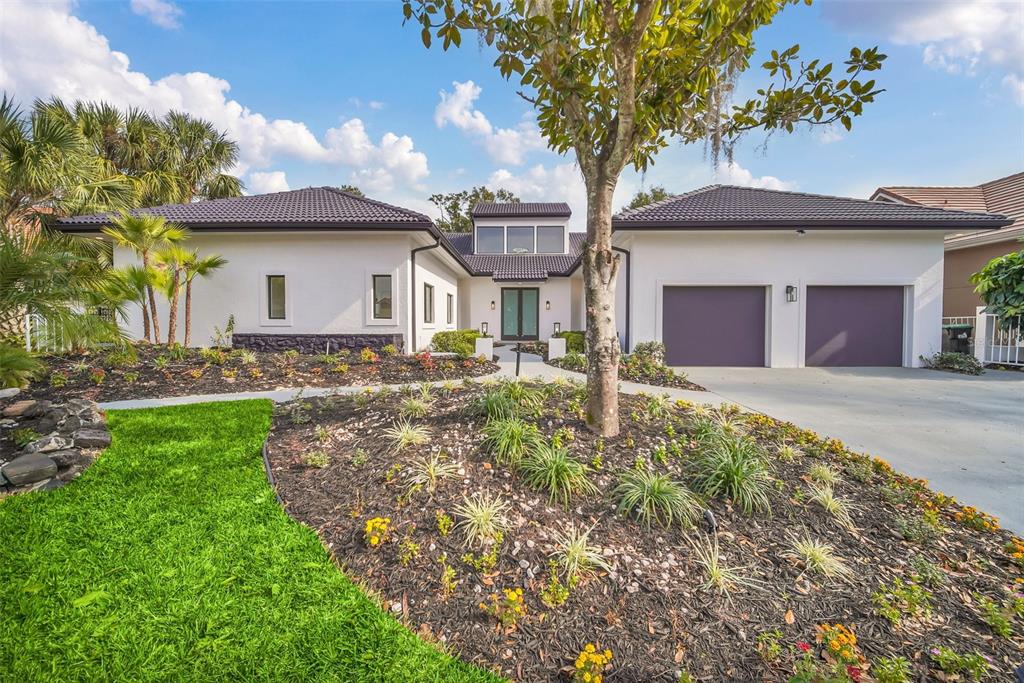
<point x="651" y="608"/>
<point x="658" y="376"/>
<point x="158" y="373"/>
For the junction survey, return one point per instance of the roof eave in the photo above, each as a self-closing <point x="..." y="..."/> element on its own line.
<point x="957" y="224"/>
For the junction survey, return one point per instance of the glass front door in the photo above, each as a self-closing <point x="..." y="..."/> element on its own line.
<point x="519" y="312"/>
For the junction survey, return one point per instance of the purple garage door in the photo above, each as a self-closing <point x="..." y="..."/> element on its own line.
<point x="714" y="326"/>
<point x="854" y="327"/>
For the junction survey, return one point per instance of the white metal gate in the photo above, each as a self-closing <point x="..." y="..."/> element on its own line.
<point x="997" y="343"/>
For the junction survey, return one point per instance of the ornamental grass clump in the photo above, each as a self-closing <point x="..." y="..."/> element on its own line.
<point x="838" y="507"/>
<point x="553" y="468"/>
<point x="524" y="396"/>
<point x="403" y="434"/>
<point x="720" y="577"/>
<point x="575" y="556"/>
<point x="820" y="558"/>
<point x="414" y="407"/>
<point x="656" y="498"/>
<point x="822" y="474"/>
<point x="494" y="405"/>
<point x="482" y="518"/>
<point x="428" y="472"/>
<point x="510" y="439"/>
<point x="734" y="468"/>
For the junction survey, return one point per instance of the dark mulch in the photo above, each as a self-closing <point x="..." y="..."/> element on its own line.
<point x="655" y="375"/>
<point x="651" y="608"/>
<point x="75" y="376"/>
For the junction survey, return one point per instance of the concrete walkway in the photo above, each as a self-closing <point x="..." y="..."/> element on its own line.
<point x="964" y="434"/>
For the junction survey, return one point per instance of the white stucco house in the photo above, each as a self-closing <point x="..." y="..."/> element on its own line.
<point x="722" y="275"/>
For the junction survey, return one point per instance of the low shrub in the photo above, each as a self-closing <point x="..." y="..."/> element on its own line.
<point x="510" y="439"/>
<point x="735" y="469"/>
<point x="553" y="468"/>
<point x="573" y="361"/>
<point x="656" y="497"/>
<point x="461" y="342"/>
<point x="949" y="661"/>
<point x="575" y="340"/>
<point x="954" y="361"/>
<point x="653" y="351"/>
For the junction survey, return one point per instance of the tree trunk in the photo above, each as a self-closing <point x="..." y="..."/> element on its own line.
<point x="600" y="266"/>
<point x="153" y="318"/>
<point x="188" y="312"/>
<point x="172" y="315"/>
<point x="145" y="319"/>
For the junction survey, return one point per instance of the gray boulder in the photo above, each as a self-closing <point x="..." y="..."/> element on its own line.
<point x="51" y="442"/>
<point x="91" y="437"/>
<point x="29" y="469"/>
<point x="68" y="457"/>
<point x="19" y="408"/>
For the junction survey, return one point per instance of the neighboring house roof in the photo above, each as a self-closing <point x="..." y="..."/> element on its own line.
<point x="312" y="207"/>
<point x="1004" y="196"/>
<point x="729" y="207"/>
<point x="518" y="267"/>
<point x="521" y="210"/>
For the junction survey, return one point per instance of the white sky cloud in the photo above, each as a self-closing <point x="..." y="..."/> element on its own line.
<point x="957" y="36"/>
<point x="503" y="145"/>
<point x="826" y="135"/>
<point x="261" y="182"/>
<point x="161" y="13"/>
<point x="78" y="63"/>
<point x="734" y="174"/>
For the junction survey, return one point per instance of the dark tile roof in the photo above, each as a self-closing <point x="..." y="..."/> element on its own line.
<point x="517" y="267"/>
<point x="521" y="210"/>
<point x="319" y="207"/>
<point x="731" y="207"/>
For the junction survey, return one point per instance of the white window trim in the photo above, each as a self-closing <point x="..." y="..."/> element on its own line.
<point x="432" y="325"/>
<point x="368" y="318"/>
<point x="516" y="253"/>
<point x="264" y="299"/>
<point x="449" y="309"/>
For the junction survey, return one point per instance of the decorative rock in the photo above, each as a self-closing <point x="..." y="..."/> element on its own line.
<point x="67" y="457"/>
<point x="46" y="425"/>
<point x="48" y="443"/>
<point x="90" y="437"/>
<point x="51" y="485"/>
<point x="396" y="607"/>
<point x="29" y="469"/>
<point x="10" y="392"/>
<point x="18" y="408"/>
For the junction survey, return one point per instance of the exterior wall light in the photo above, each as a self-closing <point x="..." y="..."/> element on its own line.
<point x="801" y="232"/>
<point x="483" y="329"/>
<point x="558" y="328"/>
<point x="547" y="305"/>
<point x="791" y="293"/>
<point x="492" y="305"/>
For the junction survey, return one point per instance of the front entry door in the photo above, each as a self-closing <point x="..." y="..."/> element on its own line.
<point x="519" y="312"/>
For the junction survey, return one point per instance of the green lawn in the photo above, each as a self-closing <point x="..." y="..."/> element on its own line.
<point x="170" y="559"/>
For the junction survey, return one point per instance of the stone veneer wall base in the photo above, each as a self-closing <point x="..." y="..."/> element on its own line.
<point x="315" y="343"/>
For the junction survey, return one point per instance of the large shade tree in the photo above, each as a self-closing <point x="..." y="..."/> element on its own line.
<point x="614" y="81"/>
<point x="457" y="207"/>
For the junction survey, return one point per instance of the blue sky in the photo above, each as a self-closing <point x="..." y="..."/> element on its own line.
<point x="340" y="92"/>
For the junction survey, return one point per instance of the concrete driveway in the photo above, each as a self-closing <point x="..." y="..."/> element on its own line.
<point x="963" y="434"/>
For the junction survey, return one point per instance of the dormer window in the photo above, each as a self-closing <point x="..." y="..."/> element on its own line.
<point x="550" y="239"/>
<point x="520" y="239"/>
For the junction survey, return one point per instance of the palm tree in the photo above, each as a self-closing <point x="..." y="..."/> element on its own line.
<point x="197" y="267"/>
<point x="129" y="284"/>
<point x="172" y="259"/>
<point x="48" y="167"/>
<point x="198" y="154"/>
<point x="144" y="233"/>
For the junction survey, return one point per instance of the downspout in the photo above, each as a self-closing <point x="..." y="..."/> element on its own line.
<point x="629" y="299"/>
<point x="412" y="297"/>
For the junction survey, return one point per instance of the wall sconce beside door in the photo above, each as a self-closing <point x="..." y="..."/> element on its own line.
<point x="492" y="305"/>
<point x="483" y="329"/>
<point x="791" y="293"/>
<point x="547" y="305"/>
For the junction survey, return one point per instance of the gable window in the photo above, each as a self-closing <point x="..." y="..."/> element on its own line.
<point x="428" y="304"/>
<point x="490" y="240"/>
<point x="451" y="309"/>
<point x="275" y="297"/>
<point x="550" y="239"/>
<point x="382" y="297"/>
<point x="519" y="240"/>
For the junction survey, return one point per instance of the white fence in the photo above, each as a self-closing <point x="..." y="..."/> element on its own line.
<point x="38" y="337"/>
<point x="998" y="343"/>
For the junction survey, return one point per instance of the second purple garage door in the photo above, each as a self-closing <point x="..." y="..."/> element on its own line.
<point x="721" y="326"/>
<point x="854" y="327"/>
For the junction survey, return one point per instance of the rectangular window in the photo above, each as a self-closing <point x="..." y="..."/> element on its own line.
<point x="428" y="304"/>
<point x="550" y="239"/>
<point x="275" y="297"/>
<point x="519" y="240"/>
<point x="451" y="309"/>
<point x="490" y="240"/>
<point x="382" y="297"/>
